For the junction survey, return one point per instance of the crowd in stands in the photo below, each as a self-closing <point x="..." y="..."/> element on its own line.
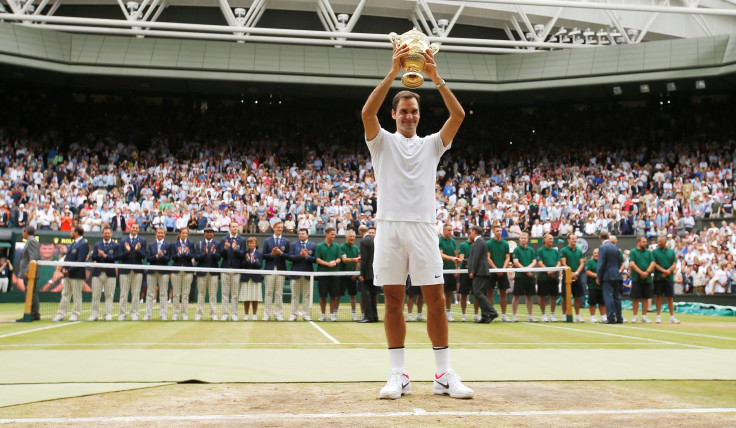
<point x="640" y="169"/>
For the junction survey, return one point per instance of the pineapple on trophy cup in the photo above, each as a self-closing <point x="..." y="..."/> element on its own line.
<point x="418" y="43"/>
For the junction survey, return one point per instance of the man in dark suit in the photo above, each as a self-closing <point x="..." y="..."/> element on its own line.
<point x="158" y="254"/>
<point x="31" y="252"/>
<point x="104" y="251"/>
<point x="19" y="217"/>
<point x="232" y="249"/>
<point x="118" y="222"/>
<point x="207" y="255"/>
<point x="132" y="251"/>
<point x="301" y="255"/>
<point x="369" y="292"/>
<point x="74" y="276"/>
<point x="275" y="250"/>
<point x="479" y="273"/>
<point x="609" y="277"/>
<point x="182" y="253"/>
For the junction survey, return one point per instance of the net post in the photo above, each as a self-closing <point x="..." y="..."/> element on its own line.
<point x="311" y="295"/>
<point x="568" y="294"/>
<point x="30" y="284"/>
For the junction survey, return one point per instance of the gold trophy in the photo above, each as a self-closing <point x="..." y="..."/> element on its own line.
<point x="418" y="43"/>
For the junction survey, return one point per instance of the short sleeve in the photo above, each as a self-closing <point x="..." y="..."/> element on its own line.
<point x="375" y="145"/>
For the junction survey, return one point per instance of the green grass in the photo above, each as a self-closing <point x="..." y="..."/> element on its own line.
<point x="695" y="331"/>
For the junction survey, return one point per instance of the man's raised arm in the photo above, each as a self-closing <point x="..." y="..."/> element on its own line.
<point x="370" y="109"/>
<point x="457" y="114"/>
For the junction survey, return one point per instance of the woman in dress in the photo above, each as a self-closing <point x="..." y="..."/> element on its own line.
<point x="250" y="284"/>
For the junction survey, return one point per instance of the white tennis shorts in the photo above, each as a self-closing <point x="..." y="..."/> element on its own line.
<point x="406" y="248"/>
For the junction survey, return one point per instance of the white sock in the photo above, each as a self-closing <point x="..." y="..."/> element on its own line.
<point x="448" y="311"/>
<point x="442" y="359"/>
<point x="397" y="358"/>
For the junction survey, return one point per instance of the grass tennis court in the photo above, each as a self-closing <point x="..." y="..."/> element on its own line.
<point x="273" y="374"/>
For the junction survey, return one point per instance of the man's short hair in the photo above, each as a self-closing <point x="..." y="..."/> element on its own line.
<point x="79" y="230"/>
<point x="362" y="229"/>
<point x="30" y="230"/>
<point x="477" y="229"/>
<point x="304" y="229"/>
<point x="404" y="95"/>
<point x="604" y="235"/>
<point x="107" y="228"/>
<point x="329" y="229"/>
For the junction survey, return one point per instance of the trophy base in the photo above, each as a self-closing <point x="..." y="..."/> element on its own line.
<point x="412" y="80"/>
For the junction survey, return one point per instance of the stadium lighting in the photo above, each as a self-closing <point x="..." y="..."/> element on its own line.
<point x="632" y="33"/>
<point x="565" y="39"/>
<point x="617" y="90"/>
<point x="132" y="6"/>
<point x="575" y="31"/>
<point x="539" y="29"/>
<point x="552" y="39"/>
<point x="700" y="84"/>
<point x="671" y="87"/>
<point x="588" y="33"/>
<point x="561" y="31"/>
<point x="644" y="88"/>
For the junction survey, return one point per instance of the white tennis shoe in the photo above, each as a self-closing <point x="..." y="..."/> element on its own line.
<point x="398" y="384"/>
<point x="449" y="384"/>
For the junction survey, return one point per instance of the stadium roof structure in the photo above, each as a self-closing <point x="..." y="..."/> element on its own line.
<point x="493" y="45"/>
<point x="497" y="26"/>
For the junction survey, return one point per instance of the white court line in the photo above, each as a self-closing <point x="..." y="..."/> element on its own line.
<point x="163" y="344"/>
<point x="681" y="332"/>
<point x="327" y="335"/>
<point x="39" y="329"/>
<point x="414" y="413"/>
<point x="619" y="335"/>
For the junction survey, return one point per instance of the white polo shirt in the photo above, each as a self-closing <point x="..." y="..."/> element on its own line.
<point x="405" y="170"/>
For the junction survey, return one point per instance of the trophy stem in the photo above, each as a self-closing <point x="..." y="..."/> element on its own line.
<point x="412" y="80"/>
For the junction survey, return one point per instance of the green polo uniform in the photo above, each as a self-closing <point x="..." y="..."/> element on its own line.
<point x="572" y="257"/>
<point x="448" y="248"/>
<point x="591" y="265"/>
<point x="464" y="249"/>
<point x="642" y="259"/>
<point x="664" y="258"/>
<point x="351" y="252"/>
<point x="525" y="256"/>
<point x="327" y="253"/>
<point x="549" y="258"/>
<point x="498" y="251"/>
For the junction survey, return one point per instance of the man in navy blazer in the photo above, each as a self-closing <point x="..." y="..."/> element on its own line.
<point x="74" y="276"/>
<point x="609" y="277"/>
<point x="232" y="249"/>
<point x="131" y="251"/>
<point x="158" y="254"/>
<point x="104" y="251"/>
<point x="207" y="255"/>
<point x="301" y="254"/>
<point x="182" y="253"/>
<point x="275" y="251"/>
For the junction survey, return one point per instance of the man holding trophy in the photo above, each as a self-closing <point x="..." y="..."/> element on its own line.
<point x="406" y="242"/>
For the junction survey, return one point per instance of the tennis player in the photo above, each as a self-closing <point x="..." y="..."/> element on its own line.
<point x="406" y="241"/>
